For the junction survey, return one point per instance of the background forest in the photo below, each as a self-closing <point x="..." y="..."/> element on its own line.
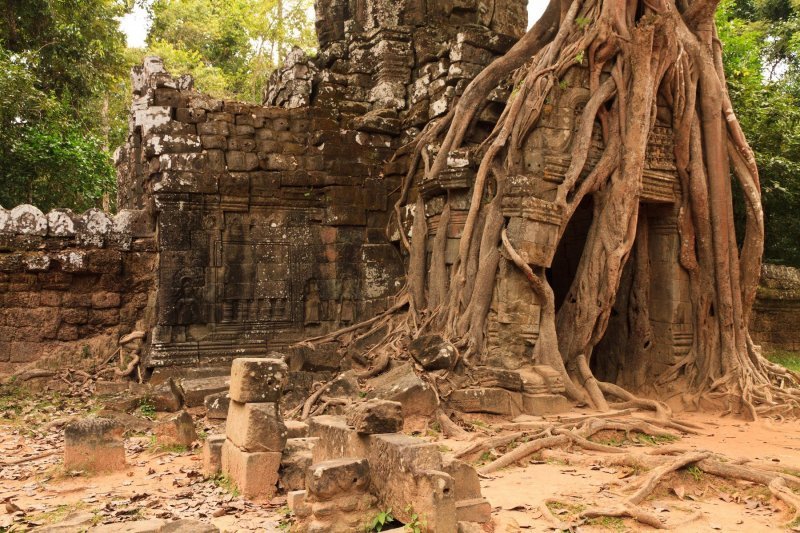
<point x="64" y="89"/>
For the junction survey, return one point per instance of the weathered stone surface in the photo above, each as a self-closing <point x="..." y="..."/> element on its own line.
<point x="337" y="477"/>
<point x="402" y="385"/>
<point x="296" y="501"/>
<point x="176" y="430"/>
<point x="196" y="390"/>
<point x="474" y="510"/>
<point x="188" y="526"/>
<point x="296" y="460"/>
<point x="544" y="404"/>
<point x="212" y="455"/>
<point x="94" y="445"/>
<point x="255" y="474"/>
<point x="256" y="427"/>
<point x="487" y="400"/>
<point x="407" y="474"/>
<point x="217" y="405"/>
<point x="154" y="525"/>
<point x="376" y="416"/>
<point x="466" y="482"/>
<point x="433" y="352"/>
<point x="336" y="439"/>
<point x="257" y="379"/>
<point x="296" y="429"/>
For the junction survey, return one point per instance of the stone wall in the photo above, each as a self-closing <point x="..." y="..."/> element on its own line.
<point x="776" y="313"/>
<point x="71" y="285"/>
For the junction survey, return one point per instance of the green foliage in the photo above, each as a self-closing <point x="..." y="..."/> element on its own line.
<point x="229" y="46"/>
<point x="695" y="472"/>
<point x="761" y="55"/>
<point x="380" y="521"/>
<point x="416" y="524"/>
<point x="790" y="360"/>
<point x="147" y="408"/>
<point x="227" y="484"/>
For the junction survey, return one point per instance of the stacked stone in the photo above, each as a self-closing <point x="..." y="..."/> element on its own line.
<point x="255" y="432"/>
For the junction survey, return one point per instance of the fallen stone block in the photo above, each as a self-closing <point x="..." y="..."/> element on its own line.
<point x="212" y="455"/>
<point x="296" y="429"/>
<point x="295" y="461"/>
<point x="402" y="385"/>
<point x="328" y="479"/>
<point x="257" y="379"/>
<point x="255" y="474"/>
<point x="176" y="430"/>
<point x="296" y="502"/>
<point x="217" y="405"/>
<point x="544" y="404"/>
<point x="487" y="400"/>
<point x="196" y="390"/>
<point x="376" y="416"/>
<point x="256" y="427"/>
<point x="433" y="352"/>
<point x="336" y="439"/>
<point x="94" y="445"/>
<point x="314" y="358"/>
<point x="74" y="521"/>
<point x="486" y="376"/>
<point x="465" y="478"/>
<point x="474" y="510"/>
<point x="407" y="476"/>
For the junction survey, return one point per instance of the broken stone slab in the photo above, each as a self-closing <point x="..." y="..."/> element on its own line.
<point x="465" y="478"/>
<point x="376" y="416"/>
<point x="94" y="445"/>
<point x="153" y="525"/>
<point x="336" y="439"/>
<point x="74" y="521"/>
<point x="433" y="352"/>
<point x="296" y="460"/>
<point x="402" y="385"/>
<point x="295" y="429"/>
<point x="257" y="379"/>
<point x="321" y="357"/>
<point x="490" y="400"/>
<point x="212" y="455"/>
<point x="297" y="504"/>
<point x="163" y="374"/>
<point x="474" y="510"/>
<point x="176" y="430"/>
<point x="217" y="405"/>
<point x="256" y="427"/>
<point x="545" y="404"/>
<point x="336" y="477"/>
<point x="255" y="474"/>
<point x="407" y="476"/>
<point x="196" y="390"/>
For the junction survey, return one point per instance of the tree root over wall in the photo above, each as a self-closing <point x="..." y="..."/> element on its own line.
<point x="637" y="52"/>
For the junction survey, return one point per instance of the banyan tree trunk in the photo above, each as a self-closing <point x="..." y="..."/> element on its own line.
<point x="644" y="60"/>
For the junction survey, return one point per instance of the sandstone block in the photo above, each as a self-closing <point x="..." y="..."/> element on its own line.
<point x="432" y="352"/>
<point x="487" y="400"/>
<point x="544" y="404"/>
<point x="465" y="478"/>
<point x="474" y="510"/>
<point x="257" y="379"/>
<point x="376" y="416"/>
<point x="95" y="445"/>
<point x="336" y="439"/>
<point x="176" y="430"/>
<point x="256" y="427"/>
<point x="402" y="385"/>
<point x="296" y="460"/>
<point x="296" y="429"/>
<point x="337" y="477"/>
<point x="255" y="474"/>
<point x="196" y="390"/>
<point x="217" y="405"/>
<point x="212" y="454"/>
<point x="296" y="501"/>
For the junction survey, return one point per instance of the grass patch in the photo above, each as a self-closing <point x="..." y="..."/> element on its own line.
<point x="226" y="483"/>
<point x="147" y="408"/>
<point x="785" y="358"/>
<point x="613" y="523"/>
<point x="566" y="511"/>
<point x="53" y="516"/>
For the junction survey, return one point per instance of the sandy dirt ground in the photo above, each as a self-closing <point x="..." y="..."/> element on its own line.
<point x="168" y="483"/>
